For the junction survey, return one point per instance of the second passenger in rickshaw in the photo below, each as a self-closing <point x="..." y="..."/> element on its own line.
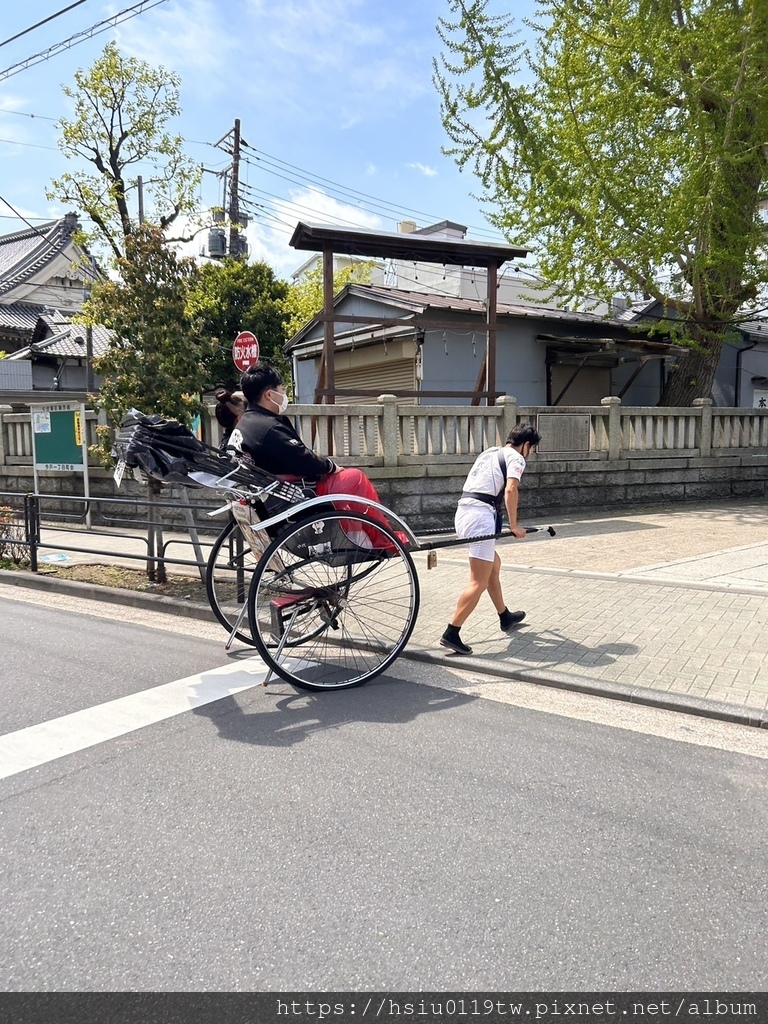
<point x="266" y="435"/>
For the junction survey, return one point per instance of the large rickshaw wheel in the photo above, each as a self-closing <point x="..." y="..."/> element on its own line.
<point x="230" y="566"/>
<point x="333" y="601"/>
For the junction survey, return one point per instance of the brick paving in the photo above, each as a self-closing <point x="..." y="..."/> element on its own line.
<point x="705" y="640"/>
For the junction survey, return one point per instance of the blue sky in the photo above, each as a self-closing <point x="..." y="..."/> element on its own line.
<point x="339" y="90"/>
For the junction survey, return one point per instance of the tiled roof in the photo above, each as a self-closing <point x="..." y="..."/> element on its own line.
<point x="23" y="253"/>
<point x="419" y="302"/>
<point x="68" y="342"/>
<point x="423" y="300"/>
<point x="20" y="316"/>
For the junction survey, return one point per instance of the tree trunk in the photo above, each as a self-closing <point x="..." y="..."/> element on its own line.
<point x="693" y="375"/>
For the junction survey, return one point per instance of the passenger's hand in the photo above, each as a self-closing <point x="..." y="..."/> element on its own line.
<point x="518" y="531"/>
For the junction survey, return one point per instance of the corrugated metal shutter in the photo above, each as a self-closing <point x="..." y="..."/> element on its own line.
<point x="591" y="385"/>
<point x="15" y="375"/>
<point x="396" y="375"/>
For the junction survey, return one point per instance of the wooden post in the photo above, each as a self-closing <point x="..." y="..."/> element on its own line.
<point x="490" y="344"/>
<point x="328" y="337"/>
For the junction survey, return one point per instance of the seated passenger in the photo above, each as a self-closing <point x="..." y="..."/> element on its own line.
<point x="230" y="406"/>
<point x="266" y="435"/>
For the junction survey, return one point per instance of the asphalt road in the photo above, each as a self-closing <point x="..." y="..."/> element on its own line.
<point x="428" y="831"/>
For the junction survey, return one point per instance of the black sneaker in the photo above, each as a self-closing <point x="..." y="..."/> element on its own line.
<point x="453" y="642"/>
<point x="508" y="620"/>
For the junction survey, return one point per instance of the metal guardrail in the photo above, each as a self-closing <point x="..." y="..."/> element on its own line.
<point x="29" y="510"/>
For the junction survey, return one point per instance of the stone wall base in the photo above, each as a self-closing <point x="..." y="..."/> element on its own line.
<point x="426" y="496"/>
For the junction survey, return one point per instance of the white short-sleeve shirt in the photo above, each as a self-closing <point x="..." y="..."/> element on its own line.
<point x="486" y="477"/>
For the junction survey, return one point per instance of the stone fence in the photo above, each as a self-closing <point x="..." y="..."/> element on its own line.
<point x="592" y="456"/>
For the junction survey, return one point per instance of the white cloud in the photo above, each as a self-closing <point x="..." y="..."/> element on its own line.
<point x="324" y="33"/>
<point x="13" y="128"/>
<point x="428" y="172"/>
<point x="270" y="231"/>
<point x="301" y="41"/>
<point x="269" y="234"/>
<point x="188" y="36"/>
<point x="37" y="214"/>
<point x="11" y="103"/>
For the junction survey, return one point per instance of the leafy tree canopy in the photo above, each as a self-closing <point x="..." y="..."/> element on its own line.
<point x="232" y="296"/>
<point x="305" y="299"/>
<point x="628" y="147"/>
<point x="156" y="361"/>
<point x="123" y="108"/>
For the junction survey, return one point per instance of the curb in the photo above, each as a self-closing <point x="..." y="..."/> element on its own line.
<point x="644" y="695"/>
<point x="112" y="595"/>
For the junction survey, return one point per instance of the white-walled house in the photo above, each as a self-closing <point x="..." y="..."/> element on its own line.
<point x="545" y="356"/>
<point x="542" y="353"/>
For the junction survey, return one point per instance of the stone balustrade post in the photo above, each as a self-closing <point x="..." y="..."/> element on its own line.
<point x="705" y="426"/>
<point x="390" y="443"/>
<point x="3" y="433"/>
<point x="614" y="426"/>
<point x="508" y="416"/>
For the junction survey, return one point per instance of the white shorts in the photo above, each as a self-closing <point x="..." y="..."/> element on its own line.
<point x="477" y="521"/>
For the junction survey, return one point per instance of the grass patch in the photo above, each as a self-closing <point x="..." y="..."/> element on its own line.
<point x="188" y="588"/>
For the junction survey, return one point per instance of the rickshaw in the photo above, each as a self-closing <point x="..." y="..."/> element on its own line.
<point x="327" y="595"/>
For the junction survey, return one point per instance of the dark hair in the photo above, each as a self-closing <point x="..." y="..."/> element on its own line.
<point x="522" y="434"/>
<point x="229" y="408"/>
<point x="257" y="379"/>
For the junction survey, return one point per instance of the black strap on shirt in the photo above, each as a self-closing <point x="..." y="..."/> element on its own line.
<point x="497" y="500"/>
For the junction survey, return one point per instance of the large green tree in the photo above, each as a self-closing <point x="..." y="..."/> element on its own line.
<point x="122" y="112"/>
<point x="232" y="296"/>
<point x="305" y="298"/>
<point x="628" y="146"/>
<point x="156" y="361"/>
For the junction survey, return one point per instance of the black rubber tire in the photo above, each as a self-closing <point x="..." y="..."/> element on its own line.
<point x="348" y="610"/>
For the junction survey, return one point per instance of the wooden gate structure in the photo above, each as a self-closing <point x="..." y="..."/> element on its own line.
<point x="413" y="248"/>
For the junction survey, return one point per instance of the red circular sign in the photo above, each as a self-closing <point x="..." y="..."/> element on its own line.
<point x="245" y="351"/>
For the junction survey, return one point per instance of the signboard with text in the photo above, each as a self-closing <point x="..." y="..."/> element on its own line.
<point x="60" y="442"/>
<point x="57" y="436"/>
<point x="245" y="351"/>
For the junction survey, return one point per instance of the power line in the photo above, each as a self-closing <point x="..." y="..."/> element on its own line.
<point x="79" y="37"/>
<point x="34" y="145"/>
<point x="42" y="234"/>
<point x="15" y="216"/>
<point x="43" y="22"/>
<point x="273" y="165"/>
<point x="23" y="113"/>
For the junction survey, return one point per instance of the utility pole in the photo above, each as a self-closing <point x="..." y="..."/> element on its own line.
<point x="232" y="138"/>
<point x="140" y="190"/>
<point x="236" y="239"/>
<point x="234" y="197"/>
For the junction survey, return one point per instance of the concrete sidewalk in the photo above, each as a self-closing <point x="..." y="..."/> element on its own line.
<point x="664" y="606"/>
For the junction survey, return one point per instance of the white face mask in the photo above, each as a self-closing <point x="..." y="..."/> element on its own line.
<point x="282" y="405"/>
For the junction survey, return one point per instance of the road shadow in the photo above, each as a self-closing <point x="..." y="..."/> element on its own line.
<point x="282" y="716"/>
<point x="550" y="647"/>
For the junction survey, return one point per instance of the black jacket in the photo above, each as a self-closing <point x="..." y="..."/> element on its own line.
<point x="273" y="444"/>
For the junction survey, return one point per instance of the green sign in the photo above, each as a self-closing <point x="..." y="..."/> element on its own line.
<point x="57" y="436"/>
